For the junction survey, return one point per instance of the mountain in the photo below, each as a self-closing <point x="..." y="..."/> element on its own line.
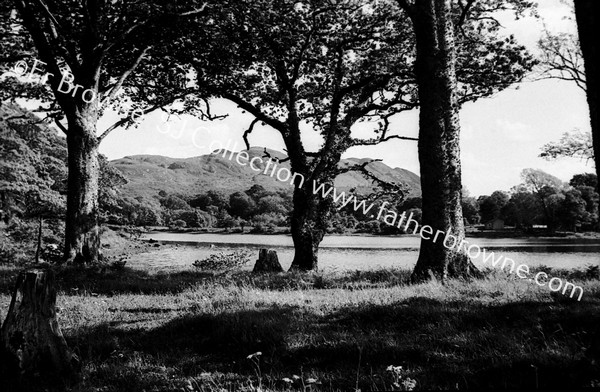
<point x="149" y="174"/>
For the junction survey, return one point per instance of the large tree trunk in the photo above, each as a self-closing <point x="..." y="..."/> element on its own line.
<point x="311" y="211"/>
<point x="308" y="226"/>
<point x="33" y="349"/>
<point x="439" y="150"/>
<point x="82" y="235"/>
<point x="586" y="13"/>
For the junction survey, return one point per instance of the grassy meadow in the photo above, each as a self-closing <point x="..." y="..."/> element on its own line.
<point x="189" y="330"/>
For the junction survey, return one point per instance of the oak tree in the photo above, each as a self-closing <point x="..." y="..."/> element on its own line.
<point x="335" y="69"/>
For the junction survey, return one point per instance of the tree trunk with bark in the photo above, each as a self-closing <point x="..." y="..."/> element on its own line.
<point x="82" y="234"/>
<point x="308" y="227"/>
<point x="76" y="62"/>
<point x="438" y="148"/>
<point x="586" y="13"/>
<point x="33" y="349"/>
<point x="311" y="210"/>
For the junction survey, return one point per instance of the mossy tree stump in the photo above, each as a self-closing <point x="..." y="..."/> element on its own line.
<point x="32" y="347"/>
<point x="267" y="261"/>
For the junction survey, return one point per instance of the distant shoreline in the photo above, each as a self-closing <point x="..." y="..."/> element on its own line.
<point x="285" y="231"/>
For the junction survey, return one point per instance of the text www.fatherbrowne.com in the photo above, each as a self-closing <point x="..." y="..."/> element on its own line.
<point x="391" y="218"/>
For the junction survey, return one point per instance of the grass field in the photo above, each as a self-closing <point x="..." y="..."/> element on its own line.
<point x="194" y="331"/>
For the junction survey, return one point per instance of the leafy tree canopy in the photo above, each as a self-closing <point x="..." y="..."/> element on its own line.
<point x="584" y="179"/>
<point x="293" y="63"/>
<point x="32" y="169"/>
<point x="576" y="144"/>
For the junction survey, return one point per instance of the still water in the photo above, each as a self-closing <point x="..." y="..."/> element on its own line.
<point x="340" y="253"/>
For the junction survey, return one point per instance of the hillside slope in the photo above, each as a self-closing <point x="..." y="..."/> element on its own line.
<point x="149" y="174"/>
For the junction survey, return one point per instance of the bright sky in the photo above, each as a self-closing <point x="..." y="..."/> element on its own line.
<point x="500" y="135"/>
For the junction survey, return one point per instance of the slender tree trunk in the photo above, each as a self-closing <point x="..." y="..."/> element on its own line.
<point x="439" y="150"/>
<point x="586" y="13"/>
<point x="38" y="251"/>
<point x="82" y="235"/>
<point x="4" y="207"/>
<point x="308" y="228"/>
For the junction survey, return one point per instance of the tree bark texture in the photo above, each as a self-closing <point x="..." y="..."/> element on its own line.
<point x="82" y="234"/>
<point x="439" y="137"/>
<point x="308" y="227"/>
<point x="586" y="14"/>
<point x="309" y="213"/>
<point x="34" y="350"/>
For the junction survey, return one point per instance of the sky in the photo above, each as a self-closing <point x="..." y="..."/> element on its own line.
<point x="500" y="135"/>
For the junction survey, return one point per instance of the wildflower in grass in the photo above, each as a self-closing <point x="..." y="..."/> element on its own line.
<point x="398" y="383"/>
<point x="286" y="380"/>
<point x="311" y="380"/>
<point x="409" y="384"/>
<point x="394" y="369"/>
<point x="256" y="354"/>
<point x="255" y="360"/>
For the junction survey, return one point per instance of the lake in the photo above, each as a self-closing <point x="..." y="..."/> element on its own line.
<point x="348" y="252"/>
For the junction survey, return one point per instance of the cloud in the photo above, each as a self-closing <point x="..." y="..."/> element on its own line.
<point x="515" y="131"/>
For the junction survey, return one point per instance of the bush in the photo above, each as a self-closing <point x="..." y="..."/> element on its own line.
<point x="18" y="239"/>
<point x="273" y="204"/>
<point x="222" y="261"/>
<point x="205" y="219"/>
<point x="241" y="205"/>
<point x="179" y="223"/>
<point x="267" y="223"/>
<point x="191" y="218"/>
<point x="592" y="272"/>
<point x="226" y="221"/>
<point x="372" y="227"/>
<point x="270" y="219"/>
<point x="52" y="253"/>
<point x="261" y="228"/>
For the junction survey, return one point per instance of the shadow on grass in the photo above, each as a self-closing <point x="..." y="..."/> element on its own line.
<point x="137" y="360"/>
<point x="440" y="344"/>
<point x="107" y="281"/>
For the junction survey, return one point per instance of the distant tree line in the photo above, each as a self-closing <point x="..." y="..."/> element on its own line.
<point x="541" y="199"/>
<point x="257" y="207"/>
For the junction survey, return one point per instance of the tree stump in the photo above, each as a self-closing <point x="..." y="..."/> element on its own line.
<point x="267" y="262"/>
<point x="32" y="348"/>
